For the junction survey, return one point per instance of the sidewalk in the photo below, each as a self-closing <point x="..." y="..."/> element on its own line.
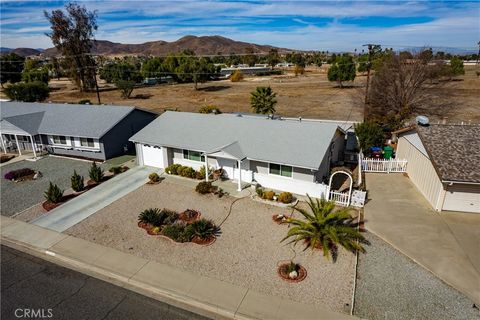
<point x="202" y="295"/>
<point x="444" y="243"/>
<point x="83" y="206"/>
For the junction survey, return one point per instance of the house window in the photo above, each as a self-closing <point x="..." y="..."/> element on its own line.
<point x="280" y="170"/>
<point x="59" y="139"/>
<point x="87" y="142"/>
<point x="193" y="155"/>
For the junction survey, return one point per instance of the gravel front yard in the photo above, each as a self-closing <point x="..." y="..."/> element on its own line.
<point x="18" y="196"/>
<point x="391" y="286"/>
<point x="246" y="253"/>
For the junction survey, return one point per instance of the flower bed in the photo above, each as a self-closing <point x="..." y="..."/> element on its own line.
<point x="292" y="272"/>
<point x="180" y="228"/>
<point x="279" y="218"/>
<point x="283" y="199"/>
<point x="21" y="174"/>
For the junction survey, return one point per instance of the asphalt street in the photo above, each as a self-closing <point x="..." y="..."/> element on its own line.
<point x="32" y="288"/>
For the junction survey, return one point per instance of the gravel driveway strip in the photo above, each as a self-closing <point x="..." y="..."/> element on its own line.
<point x="246" y="253"/>
<point x="390" y="286"/>
<point x="18" y="196"/>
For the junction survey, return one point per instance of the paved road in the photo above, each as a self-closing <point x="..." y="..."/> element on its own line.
<point x="28" y="283"/>
<point x="83" y="206"/>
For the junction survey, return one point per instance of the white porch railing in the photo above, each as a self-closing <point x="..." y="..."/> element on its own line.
<point x="340" y="198"/>
<point x="383" y="165"/>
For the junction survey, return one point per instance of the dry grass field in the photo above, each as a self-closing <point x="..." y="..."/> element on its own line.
<point x="308" y="96"/>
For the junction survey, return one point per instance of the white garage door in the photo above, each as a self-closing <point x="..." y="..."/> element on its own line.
<point x="152" y="156"/>
<point x="463" y="198"/>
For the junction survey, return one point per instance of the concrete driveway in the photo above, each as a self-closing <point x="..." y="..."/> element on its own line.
<point x="83" y="206"/>
<point x="447" y="244"/>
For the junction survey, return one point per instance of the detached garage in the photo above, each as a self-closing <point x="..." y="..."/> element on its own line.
<point x="443" y="163"/>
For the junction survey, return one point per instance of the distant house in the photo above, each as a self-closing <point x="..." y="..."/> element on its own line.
<point x="87" y="131"/>
<point x="245" y="70"/>
<point x="289" y="155"/>
<point x="444" y="164"/>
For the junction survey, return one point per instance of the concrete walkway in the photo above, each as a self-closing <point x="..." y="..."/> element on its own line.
<point x="199" y="294"/>
<point x="83" y="206"/>
<point x="447" y="244"/>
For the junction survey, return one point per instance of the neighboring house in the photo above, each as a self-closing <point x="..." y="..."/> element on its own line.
<point x="87" y="131"/>
<point x="289" y="155"/>
<point x="444" y="164"/>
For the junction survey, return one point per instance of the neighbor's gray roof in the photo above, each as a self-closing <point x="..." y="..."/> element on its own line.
<point x="454" y="151"/>
<point x="79" y="120"/>
<point x="296" y="143"/>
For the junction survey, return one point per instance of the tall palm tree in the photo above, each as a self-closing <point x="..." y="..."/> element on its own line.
<point x="325" y="228"/>
<point x="263" y="100"/>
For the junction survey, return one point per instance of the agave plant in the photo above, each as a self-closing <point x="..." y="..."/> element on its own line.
<point x="149" y="216"/>
<point x="324" y="227"/>
<point x="203" y="229"/>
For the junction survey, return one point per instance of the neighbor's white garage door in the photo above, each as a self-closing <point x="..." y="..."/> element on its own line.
<point x="462" y="198"/>
<point x="152" y="156"/>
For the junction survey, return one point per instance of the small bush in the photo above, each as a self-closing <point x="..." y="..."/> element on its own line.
<point x="188" y="172"/>
<point x="285" y="197"/>
<point x="180" y="170"/>
<point x="154" y="177"/>
<point x="77" y="182"/>
<point x="268" y="195"/>
<point x="176" y="233"/>
<point x="259" y="190"/>
<point x="149" y="216"/>
<point x="53" y="194"/>
<point x="116" y="170"/>
<point x="157" y="217"/>
<point x="299" y="70"/>
<point x="292" y="266"/>
<point x="204" y="187"/>
<point x="209" y="109"/>
<point x="28" y="92"/>
<point x="237" y="76"/>
<point x="172" y="169"/>
<point x="203" y="229"/>
<point x="16" y="174"/>
<point x="95" y="173"/>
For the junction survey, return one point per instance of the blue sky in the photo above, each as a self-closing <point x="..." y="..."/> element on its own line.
<point x="309" y="25"/>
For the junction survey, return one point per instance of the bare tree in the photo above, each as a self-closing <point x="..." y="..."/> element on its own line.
<point x="399" y="89"/>
<point x="72" y="35"/>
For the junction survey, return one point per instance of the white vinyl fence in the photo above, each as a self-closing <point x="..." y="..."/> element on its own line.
<point x="383" y="165"/>
<point x="340" y="198"/>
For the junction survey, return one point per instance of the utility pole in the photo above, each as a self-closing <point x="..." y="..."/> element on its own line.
<point x="478" y="55"/>
<point x="96" y="84"/>
<point x="370" y="46"/>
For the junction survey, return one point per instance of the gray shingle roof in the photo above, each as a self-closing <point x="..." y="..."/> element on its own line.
<point x="89" y="121"/>
<point x="302" y="144"/>
<point x="454" y="151"/>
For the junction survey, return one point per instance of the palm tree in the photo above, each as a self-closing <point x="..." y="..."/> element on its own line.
<point x="263" y="100"/>
<point x="325" y="228"/>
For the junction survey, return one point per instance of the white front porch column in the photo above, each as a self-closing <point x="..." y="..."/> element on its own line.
<point x="239" y="162"/>
<point x="33" y="147"/>
<point x="18" y="146"/>
<point x="206" y="168"/>
<point x="3" y="144"/>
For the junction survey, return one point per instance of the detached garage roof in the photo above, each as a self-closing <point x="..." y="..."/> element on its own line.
<point x="90" y="121"/>
<point x="297" y="143"/>
<point x="454" y="151"/>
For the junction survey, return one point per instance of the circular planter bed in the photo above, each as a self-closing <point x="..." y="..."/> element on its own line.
<point x="189" y="215"/>
<point x="47" y="205"/>
<point x="204" y="242"/>
<point x="279" y="219"/>
<point x="283" y="273"/>
<point x="150" y="182"/>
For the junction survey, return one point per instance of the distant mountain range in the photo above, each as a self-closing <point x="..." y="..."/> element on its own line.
<point x="205" y="45"/>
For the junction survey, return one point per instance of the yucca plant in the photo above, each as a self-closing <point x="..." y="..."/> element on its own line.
<point x="150" y="216"/>
<point x="325" y="228"/>
<point x="203" y="229"/>
<point x="77" y="182"/>
<point x="53" y="194"/>
<point x="95" y="173"/>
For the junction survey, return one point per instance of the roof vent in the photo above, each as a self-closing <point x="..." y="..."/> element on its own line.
<point x="299" y="119"/>
<point x="422" y="120"/>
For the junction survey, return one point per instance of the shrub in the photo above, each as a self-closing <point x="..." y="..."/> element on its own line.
<point x="76" y="182"/>
<point x="259" y="190"/>
<point x="204" y="187"/>
<point x="16" y="174"/>
<point x="95" y="173"/>
<point x="116" y="170"/>
<point x="173" y="169"/>
<point x="188" y="172"/>
<point x="53" y="194"/>
<point x="369" y="135"/>
<point x="149" y="216"/>
<point x="28" y="92"/>
<point x="157" y="217"/>
<point x="236" y="76"/>
<point x="209" y="109"/>
<point x="176" y="233"/>
<point x="154" y="177"/>
<point x="268" y="195"/>
<point x="285" y="197"/>
<point x="292" y="266"/>
<point x="203" y="228"/>
<point x="299" y="70"/>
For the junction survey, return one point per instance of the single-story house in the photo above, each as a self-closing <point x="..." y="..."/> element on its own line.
<point x="288" y="155"/>
<point x="443" y="163"/>
<point x="87" y="131"/>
